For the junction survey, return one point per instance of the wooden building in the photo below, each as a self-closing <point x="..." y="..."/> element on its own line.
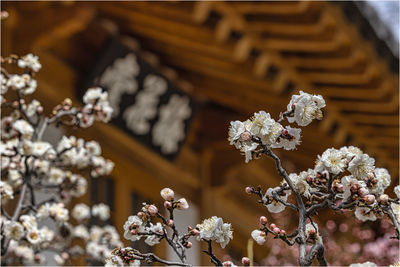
<point x="231" y="59"/>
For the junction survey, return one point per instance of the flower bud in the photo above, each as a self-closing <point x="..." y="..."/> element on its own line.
<point x="272" y="225"/>
<point x="170" y="223"/>
<point x="182" y="204"/>
<point x="167" y="194"/>
<point x="276" y="230"/>
<point x="245" y="261"/>
<point x="140" y="214"/>
<point x="263" y="220"/>
<point x="383" y="199"/>
<point x="369" y="199"/>
<point x="188" y="245"/>
<point x="65" y="255"/>
<point x="39" y="109"/>
<point x="152" y="210"/>
<point x="283" y="232"/>
<point x="195" y="232"/>
<point x="167" y="204"/>
<point x="249" y="190"/>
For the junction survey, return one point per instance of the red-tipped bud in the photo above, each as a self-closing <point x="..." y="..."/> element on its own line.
<point x="188" y="245"/>
<point x="272" y="225"/>
<point x="353" y="188"/>
<point x="170" y="223"/>
<point x="152" y="210"/>
<point x="195" y="232"/>
<point x="263" y="220"/>
<point x="245" y="261"/>
<point x="369" y="199"/>
<point x="65" y="255"/>
<point x="167" y="204"/>
<point x="383" y="199"/>
<point x="249" y="190"/>
<point x="285" y="132"/>
<point x="276" y="230"/>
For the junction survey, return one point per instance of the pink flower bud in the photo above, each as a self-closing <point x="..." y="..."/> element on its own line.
<point x="276" y="230"/>
<point x="353" y="188"/>
<point x="170" y="223"/>
<point x="188" y="245"/>
<point x="167" y="204"/>
<point x="383" y="199"/>
<point x="167" y="194"/>
<point x="245" y="136"/>
<point x="195" y="232"/>
<point x="152" y="210"/>
<point x="283" y="232"/>
<point x="263" y="220"/>
<point x="285" y="132"/>
<point x="22" y="101"/>
<point x="369" y="199"/>
<point x="249" y="190"/>
<point x="246" y="261"/>
<point x="272" y="225"/>
<point x="65" y="255"/>
<point x="39" y="109"/>
<point x="140" y="214"/>
<point x="15" y="103"/>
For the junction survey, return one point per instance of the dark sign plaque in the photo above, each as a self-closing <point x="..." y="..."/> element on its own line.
<point x="146" y="104"/>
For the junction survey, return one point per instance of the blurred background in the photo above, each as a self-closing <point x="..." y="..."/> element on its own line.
<point x="188" y="69"/>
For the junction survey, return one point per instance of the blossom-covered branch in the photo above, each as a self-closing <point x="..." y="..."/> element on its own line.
<point x="31" y="165"/>
<point x="344" y="178"/>
<point x="143" y="225"/>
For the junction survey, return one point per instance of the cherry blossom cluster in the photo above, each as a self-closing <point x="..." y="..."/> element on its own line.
<point x="30" y="166"/>
<point x="144" y="225"/>
<point x="342" y="179"/>
<point x="260" y="130"/>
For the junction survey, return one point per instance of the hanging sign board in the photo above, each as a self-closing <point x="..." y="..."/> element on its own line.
<point x="146" y="104"/>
